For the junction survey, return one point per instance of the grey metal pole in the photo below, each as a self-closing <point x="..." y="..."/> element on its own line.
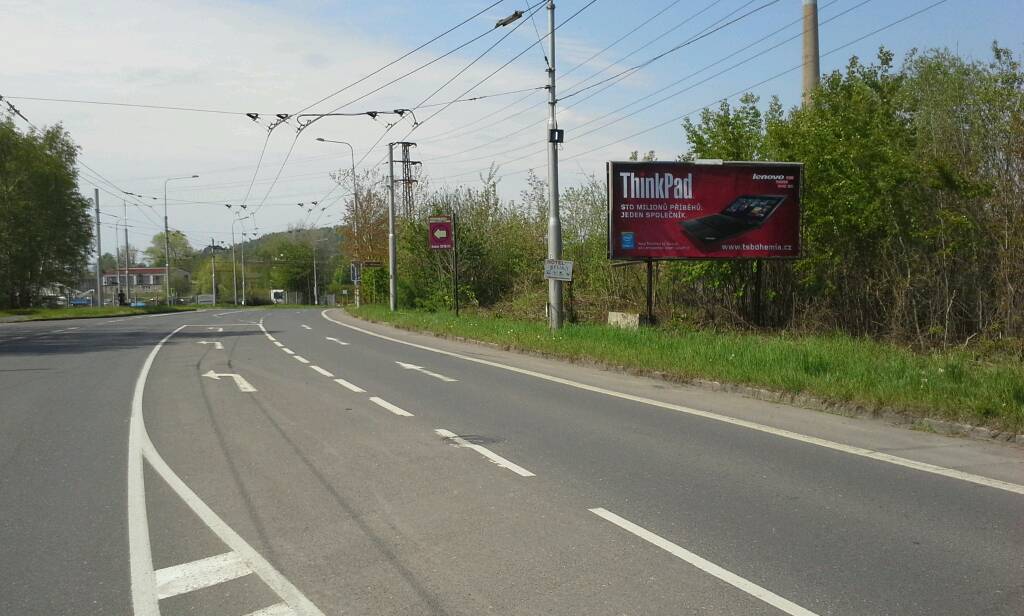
<point x="554" y="220"/>
<point x="455" y="262"/>
<point x="117" y="262"/>
<point x="316" y="295"/>
<point x="243" y="272"/>
<point x="812" y="74"/>
<point x="127" y="274"/>
<point x="392" y="245"/>
<point x="167" y="252"/>
<point x="213" y="269"/>
<point x="234" y="275"/>
<point x="99" y="249"/>
<point x="167" y="239"/>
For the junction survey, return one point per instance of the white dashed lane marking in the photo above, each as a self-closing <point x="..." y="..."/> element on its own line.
<point x="391" y="407"/>
<point x="322" y="371"/>
<point x="458" y="441"/>
<point x="706" y="566"/>
<point x="350" y="386"/>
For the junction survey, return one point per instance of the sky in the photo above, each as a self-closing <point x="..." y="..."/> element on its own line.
<point x="268" y="57"/>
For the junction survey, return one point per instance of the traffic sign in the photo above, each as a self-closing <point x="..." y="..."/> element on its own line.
<point x="558" y="270"/>
<point x="440" y="232"/>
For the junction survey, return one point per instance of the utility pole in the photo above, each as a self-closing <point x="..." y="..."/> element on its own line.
<point x="99" y="249"/>
<point x="316" y="294"/>
<point x="213" y="269"/>
<point x="127" y="274"/>
<point x="407" y="179"/>
<point x="245" y="238"/>
<point x="554" y="221"/>
<point x="392" y="246"/>
<point x="812" y="69"/>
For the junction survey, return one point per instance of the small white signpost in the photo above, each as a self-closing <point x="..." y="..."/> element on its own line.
<point x="555" y="269"/>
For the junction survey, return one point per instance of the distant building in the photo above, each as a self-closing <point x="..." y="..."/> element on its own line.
<point x="143" y="281"/>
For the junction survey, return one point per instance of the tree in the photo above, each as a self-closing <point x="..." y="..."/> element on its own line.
<point x="45" y="227"/>
<point x="181" y="251"/>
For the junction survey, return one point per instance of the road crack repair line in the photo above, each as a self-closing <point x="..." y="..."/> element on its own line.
<point x="148" y="587"/>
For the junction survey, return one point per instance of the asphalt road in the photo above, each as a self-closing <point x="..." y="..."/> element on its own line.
<point x="291" y="462"/>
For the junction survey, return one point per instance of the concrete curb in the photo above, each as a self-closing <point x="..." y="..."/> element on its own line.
<point x="892" y="416"/>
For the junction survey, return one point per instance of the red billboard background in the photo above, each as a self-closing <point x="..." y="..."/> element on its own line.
<point x="675" y="210"/>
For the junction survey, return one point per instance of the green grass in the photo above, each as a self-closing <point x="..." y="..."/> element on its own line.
<point x="858" y="371"/>
<point x="86" y="312"/>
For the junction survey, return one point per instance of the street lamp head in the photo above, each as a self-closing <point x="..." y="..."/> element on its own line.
<point x="195" y="176"/>
<point x="508" y="20"/>
<point x="320" y="139"/>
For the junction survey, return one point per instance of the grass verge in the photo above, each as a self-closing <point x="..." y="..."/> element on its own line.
<point x="952" y="385"/>
<point x="58" y="314"/>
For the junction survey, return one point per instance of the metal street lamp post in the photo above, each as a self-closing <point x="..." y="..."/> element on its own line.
<point x="167" y="240"/>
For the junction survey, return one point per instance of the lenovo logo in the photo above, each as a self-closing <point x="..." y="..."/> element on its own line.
<point x="765" y="176"/>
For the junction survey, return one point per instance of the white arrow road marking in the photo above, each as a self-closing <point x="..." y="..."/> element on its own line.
<point x="426" y="372"/>
<point x="485" y="452"/>
<point x="216" y="344"/>
<point x="1015" y="488"/>
<point x="726" y="576"/>
<point x="336" y="340"/>
<point x="144" y="597"/>
<point x="216" y="329"/>
<point x="243" y="385"/>
<point x="304" y="326"/>
<point x="197" y="574"/>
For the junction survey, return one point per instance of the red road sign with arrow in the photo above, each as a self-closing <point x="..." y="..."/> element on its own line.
<point x="441" y="236"/>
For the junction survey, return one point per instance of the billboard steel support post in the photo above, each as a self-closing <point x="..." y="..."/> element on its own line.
<point x="554" y="221"/>
<point x="650" y="291"/>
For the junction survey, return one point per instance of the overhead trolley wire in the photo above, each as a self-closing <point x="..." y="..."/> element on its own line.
<point x="381" y="87"/>
<point x="714" y="27"/>
<point x="495" y="71"/>
<point x="728" y="96"/>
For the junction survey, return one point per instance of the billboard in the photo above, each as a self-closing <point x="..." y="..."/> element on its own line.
<point x="729" y="210"/>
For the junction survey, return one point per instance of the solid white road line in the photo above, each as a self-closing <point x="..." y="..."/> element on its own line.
<point x="279" y="345"/>
<point x="485" y="452"/>
<point x="707" y="566"/>
<point x="140" y="448"/>
<point x="322" y="371"/>
<point x="280" y="609"/>
<point x="426" y="372"/>
<point x="355" y="388"/>
<point x="301" y="359"/>
<point x="271" y="338"/>
<point x="391" y="407"/>
<point x="197" y="574"/>
<point x="336" y="340"/>
<point x="288" y="351"/>
<point x="304" y="326"/>
<point x="803" y="438"/>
